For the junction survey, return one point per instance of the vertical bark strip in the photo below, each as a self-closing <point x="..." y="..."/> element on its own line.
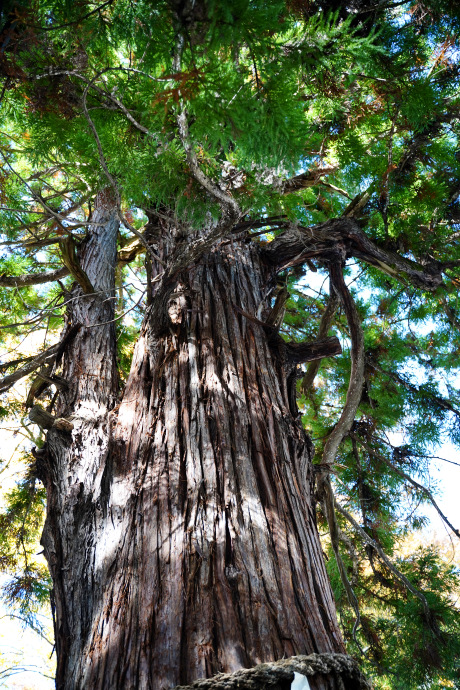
<point x="188" y="546"/>
<point x="75" y="461"/>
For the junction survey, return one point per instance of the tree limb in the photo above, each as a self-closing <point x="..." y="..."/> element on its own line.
<point x="33" y="278"/>
<point x="343" y="236"/>
<point x="67" y="246"/>
<point x="7" y="381"/>
<point x="310" y="178"/>
<point x="226" y="201"/>
<point x="327" y="503"/>
<point x="356" y="382"/>
<point x="353" y="399"/>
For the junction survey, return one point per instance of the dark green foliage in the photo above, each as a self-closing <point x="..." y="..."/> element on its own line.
<point x="271" y="89"/>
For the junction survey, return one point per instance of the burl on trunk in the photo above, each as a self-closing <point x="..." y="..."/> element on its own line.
<point x="181" y="532"/>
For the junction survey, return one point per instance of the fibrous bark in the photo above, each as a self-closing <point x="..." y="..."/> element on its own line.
<point x="73" y="466"/>
<point x="181" y="530"/>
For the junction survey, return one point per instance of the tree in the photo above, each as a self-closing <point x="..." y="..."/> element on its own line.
<point x="172" y="175"/>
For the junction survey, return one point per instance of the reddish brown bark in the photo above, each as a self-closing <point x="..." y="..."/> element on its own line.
<point x="185" y="544"/>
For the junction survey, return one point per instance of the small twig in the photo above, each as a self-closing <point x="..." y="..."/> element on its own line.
<point x="117" y="318"/>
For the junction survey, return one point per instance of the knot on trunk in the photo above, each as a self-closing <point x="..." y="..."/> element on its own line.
<point x="278" y="675"/>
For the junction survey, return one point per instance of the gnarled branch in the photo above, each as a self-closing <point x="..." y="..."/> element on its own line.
<point x="343" y="236"/>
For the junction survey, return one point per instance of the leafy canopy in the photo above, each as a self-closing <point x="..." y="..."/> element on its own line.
<point x="304" y="111"/>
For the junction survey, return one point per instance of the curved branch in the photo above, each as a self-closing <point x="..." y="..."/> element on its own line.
<point x="325" y="324"/>
<point x="336" y="436"/>
<point x="69" y="258"/>
<point x="224" y="199"/>
<point x="356" y="382"/>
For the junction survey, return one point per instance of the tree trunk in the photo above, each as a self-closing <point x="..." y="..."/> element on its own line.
<point x="181" y="531"/>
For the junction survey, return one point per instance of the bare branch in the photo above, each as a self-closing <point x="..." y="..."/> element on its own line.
<point x="8" y="381"/>
<point x="33" y="278"/>
<point x="334" y="532"/>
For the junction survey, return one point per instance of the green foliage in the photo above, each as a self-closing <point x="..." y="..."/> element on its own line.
<point x="271" y="89"/>
<point x="21" y="521"/>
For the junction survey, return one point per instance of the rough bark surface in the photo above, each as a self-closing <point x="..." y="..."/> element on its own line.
<point x="75" y="461"/>
<point x="181" y="528"/>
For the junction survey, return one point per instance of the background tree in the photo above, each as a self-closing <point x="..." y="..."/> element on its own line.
<point x="172" y="176"/>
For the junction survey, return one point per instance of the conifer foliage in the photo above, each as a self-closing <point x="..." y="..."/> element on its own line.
<point x="324" y="136"/>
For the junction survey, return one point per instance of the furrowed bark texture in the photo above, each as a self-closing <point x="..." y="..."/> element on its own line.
<point x="74" y="463"/>
<point x="187" y="544"/>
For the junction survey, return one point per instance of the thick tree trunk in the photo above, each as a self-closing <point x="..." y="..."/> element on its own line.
<point x="185" y="543"/>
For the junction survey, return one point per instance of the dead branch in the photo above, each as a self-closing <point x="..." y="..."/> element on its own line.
<point x="48" y="355"/>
